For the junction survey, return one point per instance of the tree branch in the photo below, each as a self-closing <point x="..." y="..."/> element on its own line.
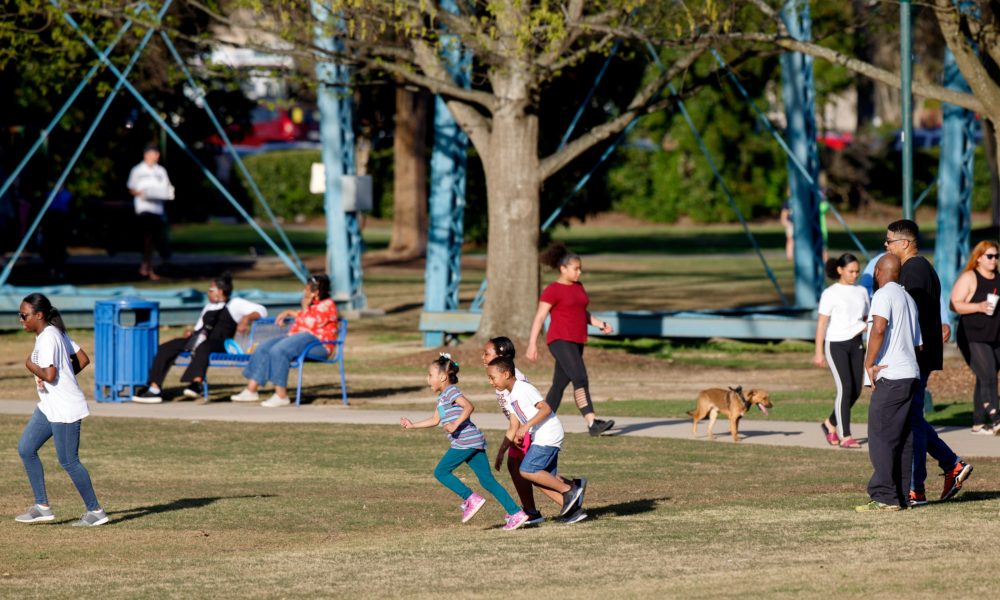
<point x="642" y="103"/>
<point x="969" y="63"/>
<point x="926" y="90"/>
<point x="576" y="57"/>
<point x="475" y="125"/>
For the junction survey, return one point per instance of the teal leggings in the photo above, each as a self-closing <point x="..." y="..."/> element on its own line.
<point x="476" y="458"/>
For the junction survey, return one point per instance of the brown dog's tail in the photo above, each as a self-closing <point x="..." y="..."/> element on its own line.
<point x="691" y="413"/>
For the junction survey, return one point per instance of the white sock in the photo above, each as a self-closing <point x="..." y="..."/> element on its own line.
<point x="45" y="506"/>
<point x="154" y="389"/>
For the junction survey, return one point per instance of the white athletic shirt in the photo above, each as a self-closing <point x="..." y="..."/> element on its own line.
<point x="847" y="307"/>
<point x="143" y="177"/>
<point x="63" y="400"/>
<point x="521" y="401"/>
<point x="502" y="395"/>
<point x="237" y="307"/>
<point x="902" y="334"/>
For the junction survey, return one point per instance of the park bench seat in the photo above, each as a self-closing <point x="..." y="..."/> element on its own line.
<point x="266" y="328"/>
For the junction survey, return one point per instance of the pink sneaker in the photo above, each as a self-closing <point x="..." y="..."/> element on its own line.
<point x="515" y="520"/>
<point x="471" y="506"/>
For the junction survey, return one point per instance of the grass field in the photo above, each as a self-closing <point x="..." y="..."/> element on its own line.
<point x="205" y="509"/>
<point x="236" y="510"/>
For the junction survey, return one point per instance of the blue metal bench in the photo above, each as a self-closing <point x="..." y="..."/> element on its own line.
<point x="264" y="329"/>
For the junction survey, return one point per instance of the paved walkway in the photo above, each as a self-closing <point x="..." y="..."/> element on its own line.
<point x="760" y="431"/>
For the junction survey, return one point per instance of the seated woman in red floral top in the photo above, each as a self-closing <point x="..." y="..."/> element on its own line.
<point x="316" y="321"/>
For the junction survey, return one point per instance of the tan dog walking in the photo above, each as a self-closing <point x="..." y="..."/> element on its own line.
<point x="730" y="403"/>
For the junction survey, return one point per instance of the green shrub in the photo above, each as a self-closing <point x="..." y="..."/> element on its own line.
<point x="283" y="179"/>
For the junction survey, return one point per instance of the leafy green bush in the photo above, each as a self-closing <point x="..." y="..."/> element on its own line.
<point x="283" y="179"/>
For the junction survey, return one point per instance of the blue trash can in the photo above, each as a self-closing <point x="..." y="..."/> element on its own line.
<point x="126" y="335"/>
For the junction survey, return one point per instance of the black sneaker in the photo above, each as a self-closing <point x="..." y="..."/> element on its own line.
<point x="148" y="397"/>
<point x="534" y="517"/>
<point x="570" y="500"/>
<point x="582" y="482"/>
<point x="195" y="390"/>
<point x="575" y="517"/>
<point x="600" y="426"/>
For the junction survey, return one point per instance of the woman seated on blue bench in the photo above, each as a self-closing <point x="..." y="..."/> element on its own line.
<point x="222" y="317"/>
<point x="317" y="321"/>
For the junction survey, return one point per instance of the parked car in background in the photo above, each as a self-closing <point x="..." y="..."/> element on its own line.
<point x="271" y="124"/>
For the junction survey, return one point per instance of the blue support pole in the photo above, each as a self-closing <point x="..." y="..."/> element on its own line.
<point x="44" y="136"/>
<point x="343" y="237"/>
<point x="958" y="147"/>
<point x="800" y="112"/>
<point x="79" y="150"/>
<point x="446" y="215"/>
<point x="154" y="114"/>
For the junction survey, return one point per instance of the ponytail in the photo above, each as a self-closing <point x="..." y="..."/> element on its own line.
<point x="40" y="304"/>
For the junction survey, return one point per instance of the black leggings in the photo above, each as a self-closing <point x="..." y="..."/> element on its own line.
<point x="569" y="368"/>
<point x="167" y="353"/>
<point x="846" y="360"/>
<point x="984" y="359"/>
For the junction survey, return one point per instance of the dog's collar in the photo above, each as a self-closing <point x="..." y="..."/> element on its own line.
<point x="746" y="403"/>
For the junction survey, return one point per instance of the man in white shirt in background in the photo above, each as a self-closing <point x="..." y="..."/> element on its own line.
<point x="150" y="188"/>
<point x="891" y="365"/>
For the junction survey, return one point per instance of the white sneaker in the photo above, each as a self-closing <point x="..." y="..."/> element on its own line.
<point x="275" y="401"/>
<point x="148" y="397"/>
<point x="245" y="396"/>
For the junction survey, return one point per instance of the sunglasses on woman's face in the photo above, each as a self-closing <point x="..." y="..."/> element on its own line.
<point x="990" y="256"/>
<point x="23" y="316"/>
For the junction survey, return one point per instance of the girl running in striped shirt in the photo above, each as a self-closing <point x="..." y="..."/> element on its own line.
<point x="468" y="445"/>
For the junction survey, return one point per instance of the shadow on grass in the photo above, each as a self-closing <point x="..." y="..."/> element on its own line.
<point x="181" y="504"/>
<point x="977" y="496"/>
<point x="404" y="308"/>
<point x="309" y="392"/>
<point x="959" y="419"/>
<point x="751" y="434"/>
<point x="625" y="509"/>
<point x="647" y="425"/>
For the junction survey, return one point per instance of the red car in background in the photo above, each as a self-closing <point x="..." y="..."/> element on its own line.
<point x="268" y="125"/>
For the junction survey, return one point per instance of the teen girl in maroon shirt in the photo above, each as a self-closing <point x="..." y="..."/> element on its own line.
<point x="566" y="301"/>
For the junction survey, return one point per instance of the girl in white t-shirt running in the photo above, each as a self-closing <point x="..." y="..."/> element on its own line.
<point x="55" y="361"/>
<point x="843" y="313"/>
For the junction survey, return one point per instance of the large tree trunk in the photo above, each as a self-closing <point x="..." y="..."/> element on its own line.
<point x="991" y="144"/>
<point x="513" y="189"/>
<point x="409" y="188"/>
<point x="992" y="147"/>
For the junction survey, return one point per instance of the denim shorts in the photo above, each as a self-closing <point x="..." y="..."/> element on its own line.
<point x="541" y="458"/>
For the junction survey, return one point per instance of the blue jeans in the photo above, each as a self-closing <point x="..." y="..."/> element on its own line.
<point x="926" y="441"/>
<point x="67" y="436"/>
<point x="269" y="362"/>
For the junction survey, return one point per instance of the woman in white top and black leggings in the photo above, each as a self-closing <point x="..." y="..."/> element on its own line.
<point x="843" y="312"/>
